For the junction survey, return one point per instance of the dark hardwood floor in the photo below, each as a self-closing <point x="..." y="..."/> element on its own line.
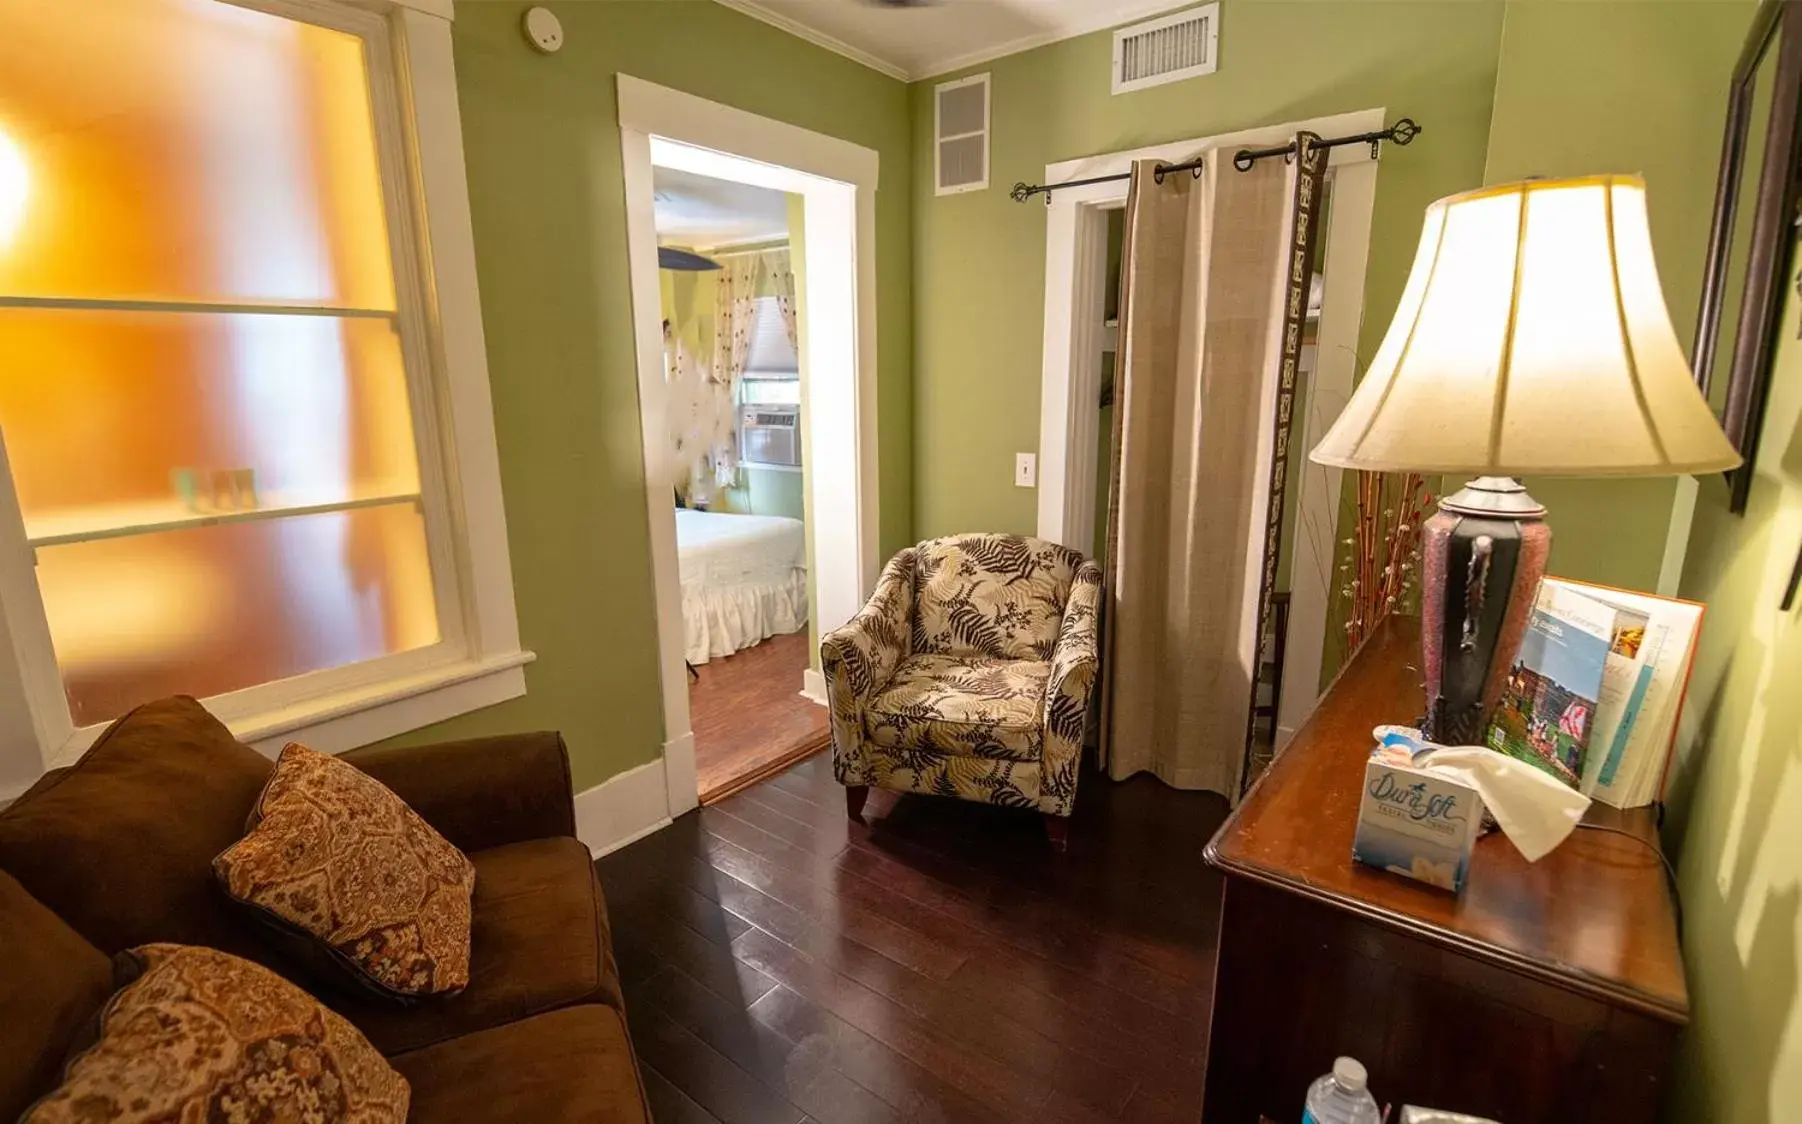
<point x="749" y="717"/>
<point x="783" y="965"/>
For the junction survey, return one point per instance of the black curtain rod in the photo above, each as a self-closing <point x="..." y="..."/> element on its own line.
<point x="1401" y="132"/>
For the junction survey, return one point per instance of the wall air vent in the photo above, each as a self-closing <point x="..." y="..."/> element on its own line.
<point x="961" y="135"/>
<point x="1168" y="49"/>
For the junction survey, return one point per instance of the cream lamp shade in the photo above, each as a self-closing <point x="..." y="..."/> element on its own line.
<point x="1532" y="339"/>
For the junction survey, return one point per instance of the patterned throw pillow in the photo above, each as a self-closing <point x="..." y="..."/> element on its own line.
<point x="336" y="858"/>
<point x="202" y="1035"/>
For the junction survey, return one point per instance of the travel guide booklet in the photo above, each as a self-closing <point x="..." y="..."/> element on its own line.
<point x="1648" y="667"/>
<point x="1549" y="701"/>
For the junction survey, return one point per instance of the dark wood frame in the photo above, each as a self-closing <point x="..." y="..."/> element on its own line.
<point x="1769" y="253"/>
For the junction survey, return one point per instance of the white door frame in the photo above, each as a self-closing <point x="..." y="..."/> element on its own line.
<point x="837" y="182"/>
<point x="1075" y="288"/>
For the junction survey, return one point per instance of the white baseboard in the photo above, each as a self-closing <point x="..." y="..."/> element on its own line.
<point x="680" y="783"/>
<point x="622" y="809"/>
<point x="813" y="686"/>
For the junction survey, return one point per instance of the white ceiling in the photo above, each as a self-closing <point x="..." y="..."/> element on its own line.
<point x="938" y="36"/>
<point x="703" y="212"/>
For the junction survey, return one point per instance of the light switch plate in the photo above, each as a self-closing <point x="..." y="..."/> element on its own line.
<point x="1026" y="470"/>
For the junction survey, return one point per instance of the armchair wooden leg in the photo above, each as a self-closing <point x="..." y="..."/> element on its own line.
<point x="855" y="795"/>
<point x="1057" y="830"/>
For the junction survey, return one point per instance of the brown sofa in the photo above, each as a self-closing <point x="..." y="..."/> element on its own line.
<point x="117" y="850"/>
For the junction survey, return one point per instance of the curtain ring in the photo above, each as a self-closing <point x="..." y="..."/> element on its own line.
<point x="1242" y="159"/>
<point x="1195" y="172"/>
<point x="1157" y="175"/>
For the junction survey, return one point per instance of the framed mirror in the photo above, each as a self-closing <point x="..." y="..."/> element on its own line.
<point x="1750" y="246"/>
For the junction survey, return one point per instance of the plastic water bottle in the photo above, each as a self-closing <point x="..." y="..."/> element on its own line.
<point x="1341" y="1098"/>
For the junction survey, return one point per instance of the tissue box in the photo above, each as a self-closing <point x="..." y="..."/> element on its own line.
<point x="1414" y="823"/>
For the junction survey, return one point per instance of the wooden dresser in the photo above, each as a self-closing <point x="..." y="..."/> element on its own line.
<point x="1549" y="991"/>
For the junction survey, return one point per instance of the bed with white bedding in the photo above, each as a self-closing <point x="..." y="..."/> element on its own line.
<point x="744" y="579"/>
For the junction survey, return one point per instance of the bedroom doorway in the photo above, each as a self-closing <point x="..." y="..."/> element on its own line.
<point x="732" y="320"/>
<point x="751" y="247"/>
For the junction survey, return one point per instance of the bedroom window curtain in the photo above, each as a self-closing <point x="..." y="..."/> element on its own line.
<point x="733" y="315"/>
<point x="780" y="272"/>
<point x="1204" y="314"/>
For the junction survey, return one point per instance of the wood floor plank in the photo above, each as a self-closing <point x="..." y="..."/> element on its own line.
<point x="670" y="1105"/>
<point x="664" y="941"/>
<point x="914" y="1091"/>
<point x="800" y="1071"/>
<point x="705" y="1075"/>
<point x="835" y="918"/>
<point x="747" y="711"/>
<point x="937" y="963"/>
<point x="1012" y="1094"/>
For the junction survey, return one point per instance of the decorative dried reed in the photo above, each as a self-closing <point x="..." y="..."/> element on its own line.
<point x="1384" y="567"/>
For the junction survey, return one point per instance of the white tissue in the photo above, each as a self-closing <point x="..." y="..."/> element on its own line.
<point x="1536" y="810"/>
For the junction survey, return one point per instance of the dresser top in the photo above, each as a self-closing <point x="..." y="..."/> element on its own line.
<point x="1595" y="915"/>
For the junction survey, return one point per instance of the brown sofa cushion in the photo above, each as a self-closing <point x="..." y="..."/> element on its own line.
<point x="200" y="1035"/>
<point x="539" y="942"/>
<point x="352" y="879"/>
<point x="571" y="1065"/>
<point x="120" y="846"/>
<point x="51" y="983"/>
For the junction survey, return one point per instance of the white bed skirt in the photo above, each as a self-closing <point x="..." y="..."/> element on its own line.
<point x="721" y="620"/>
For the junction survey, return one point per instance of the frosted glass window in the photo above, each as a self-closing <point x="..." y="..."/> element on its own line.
<point x="207" y="610"/>
<point x="204" y="394"/>
<point x="188" y="150"/>
<point x="102" y="407"/>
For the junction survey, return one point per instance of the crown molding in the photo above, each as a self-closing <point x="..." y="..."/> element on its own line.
<point x="1108" y="16"/>
<point x="818" y="38"/>
<point x="1097" y="21"/>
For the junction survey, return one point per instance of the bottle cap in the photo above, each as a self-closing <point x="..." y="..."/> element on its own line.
<point x="1350" y="1075"/>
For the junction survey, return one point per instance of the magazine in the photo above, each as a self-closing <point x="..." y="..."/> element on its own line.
<point x="1549" y="702"/>
<point x="1630" y="748"/>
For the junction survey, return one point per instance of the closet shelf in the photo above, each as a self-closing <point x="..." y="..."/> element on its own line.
<point x="112" y="521"/>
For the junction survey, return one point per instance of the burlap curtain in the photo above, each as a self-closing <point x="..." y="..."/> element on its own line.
<point x="1203" y="288"/>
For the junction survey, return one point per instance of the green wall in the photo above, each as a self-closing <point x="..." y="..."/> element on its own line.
<point x="1737" y="793"/>
<point x="765" y="491"/>
<point x="979" y="258"/>
<point x="1623" y="86"/>
<point x="547" y="199"/>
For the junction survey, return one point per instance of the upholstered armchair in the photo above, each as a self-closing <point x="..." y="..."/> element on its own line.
<point x="968" y="674"/>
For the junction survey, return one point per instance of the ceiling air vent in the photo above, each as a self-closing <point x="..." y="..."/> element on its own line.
<point x="1184" y="45"/>
<point x="961" y="134"/>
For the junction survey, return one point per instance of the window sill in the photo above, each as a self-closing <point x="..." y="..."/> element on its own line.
<point x="369" y="712"/>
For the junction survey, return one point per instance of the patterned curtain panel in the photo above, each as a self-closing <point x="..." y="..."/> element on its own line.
<point x="731" y="350"/>
<point x="778" y="269"/>
<point x="1203" y="285"/>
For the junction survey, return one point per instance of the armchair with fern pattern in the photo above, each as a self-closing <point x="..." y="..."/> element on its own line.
<point x="968" y="674"/>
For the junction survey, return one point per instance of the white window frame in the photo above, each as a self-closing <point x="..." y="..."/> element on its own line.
<point x="478" y="660"/>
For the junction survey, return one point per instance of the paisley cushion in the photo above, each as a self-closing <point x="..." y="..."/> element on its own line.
<point x="335" y="858"/>
<point x="964" y="706"/>
<point x="991" y="595"/>
<point x="202" y="1035"/>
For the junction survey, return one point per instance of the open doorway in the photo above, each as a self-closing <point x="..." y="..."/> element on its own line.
<point x="731" y="329"/>
<point x="759" y="423"/>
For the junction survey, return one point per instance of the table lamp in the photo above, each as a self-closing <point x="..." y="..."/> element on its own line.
<point x="1531" y="339"/>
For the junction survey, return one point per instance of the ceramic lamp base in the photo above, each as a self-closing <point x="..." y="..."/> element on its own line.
<point x="1482" y="555"/>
